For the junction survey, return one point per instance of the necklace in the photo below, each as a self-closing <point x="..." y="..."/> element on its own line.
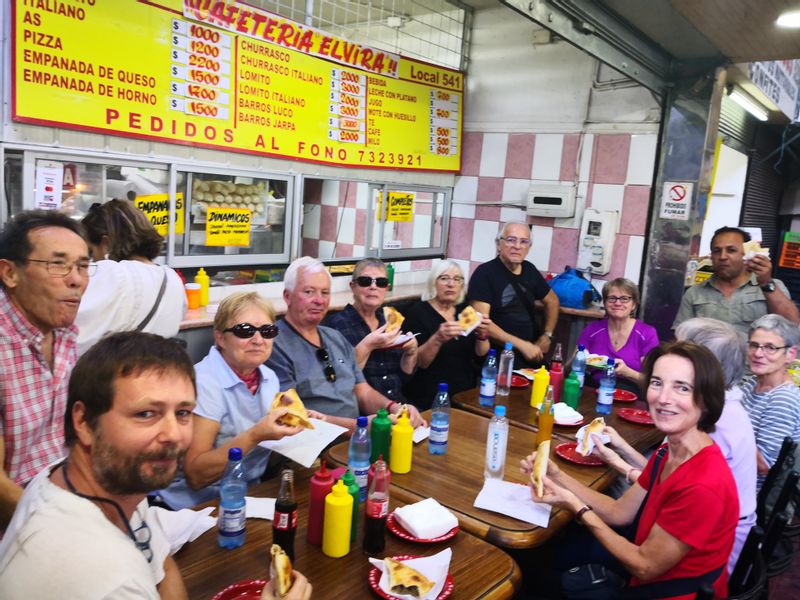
<point x="144" y="545"/>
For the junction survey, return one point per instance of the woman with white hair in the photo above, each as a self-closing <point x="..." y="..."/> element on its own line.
<point x="771" y="397"/>
<point x="444" y="355"/>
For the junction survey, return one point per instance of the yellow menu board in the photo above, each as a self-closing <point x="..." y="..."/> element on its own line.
<point x="156" y="207"/>
<point x="228" y="227"/>
<point x="222" y="74"/>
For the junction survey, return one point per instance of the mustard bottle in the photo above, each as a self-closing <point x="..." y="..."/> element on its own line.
<point x="402" y="444"/>
<point x="541" y="379"/>
<point x="337" y="521"/>
<point x="202" y="279"/>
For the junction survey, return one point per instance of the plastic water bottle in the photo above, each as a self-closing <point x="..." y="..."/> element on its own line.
<point x="440" y="421"/>
<point x="358" y="456"/>
<point x="488" y="379"/>
<point x="496" y="443"/>
<point x="605" y="395"/>
<point x="579" y="364"/>
<point x="504" y="370"/>
<point x="232" y="490"/>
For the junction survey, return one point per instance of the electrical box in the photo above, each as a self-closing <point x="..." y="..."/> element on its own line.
<point x="551" y="200"/>
<point x="596" y="240"/>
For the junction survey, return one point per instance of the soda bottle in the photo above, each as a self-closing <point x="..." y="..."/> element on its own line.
<point x="232" y="490"/>
<point x="504" y="370"/>
<point x="380" y="434"/>
<point x="440" y="421"/>
<point x="488" y="384"/>
<point x="352" y="489"/>
<point x="338" y="515"/>
<point x="544" y="428"/>
<point x="541" y="379"/>
<point x="556" y="373"/>
<point x="319" y="487"/>
<point x="358" y="456"/>
<point x="579" y="364"/>
<point x="605" y="395"/>
<point x="402" y="446"/>
<point x="496" y="442"/>
<point x="377" y="510"/>
<point x="284" y="522"/>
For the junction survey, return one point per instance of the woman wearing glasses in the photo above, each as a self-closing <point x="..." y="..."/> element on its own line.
<point x="234" y="395"/>
<point x="771" y="397"/>
<point x="385" y="364"/>
<point x="445" y="356"/>
<point x="620" y="335"/>
<point x="128" y="292"/>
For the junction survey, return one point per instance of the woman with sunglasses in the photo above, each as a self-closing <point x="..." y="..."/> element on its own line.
<point x="445" y="356"/>
<point x="385" y="365"/>
<point x="771" y="397"/>
<point x="620" y="335"/>
<point x="234" y="395"/>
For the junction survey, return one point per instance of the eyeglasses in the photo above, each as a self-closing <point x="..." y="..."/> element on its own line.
<point x="324" y="357"/>
<point x="513" y="241"/>
<point x="769" y="349"/>
<point x="62" y="268"/>
<point x="142" y="536"/>
<point x="246" y="331"/>
<point x="364" y="281"/>
<point x="448" y="279"/>
<point x="620" y="299"/>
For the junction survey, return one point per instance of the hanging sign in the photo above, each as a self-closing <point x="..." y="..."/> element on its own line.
<point x="156" y="207"/>
<point x="790" y="252"/>
<point x="228" y="226"/>
<point x="49" y="179"/>
<point x="676" y="200"/>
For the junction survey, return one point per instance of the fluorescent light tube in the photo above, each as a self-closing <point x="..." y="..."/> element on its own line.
<point x="747" y="103"/>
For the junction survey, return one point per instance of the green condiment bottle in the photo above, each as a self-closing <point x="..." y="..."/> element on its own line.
<point x="390" y="275"/>
<point x="572" y="391"/>
<point x="352" y="487"/>
<point x="380" y="434"/>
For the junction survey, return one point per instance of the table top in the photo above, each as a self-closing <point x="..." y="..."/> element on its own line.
<point x="520" y="413"/>
<point x="479" y="570"/>
<point x="456" y="477"/>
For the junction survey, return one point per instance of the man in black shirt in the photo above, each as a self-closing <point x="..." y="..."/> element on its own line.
<point x="504" y="289"/>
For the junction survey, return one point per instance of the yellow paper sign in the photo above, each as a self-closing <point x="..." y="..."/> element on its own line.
<point x="156" y="207"/>
<point x="228" y="226"/>
<point x="222" y="74"/>
<point x="399" y="208"/>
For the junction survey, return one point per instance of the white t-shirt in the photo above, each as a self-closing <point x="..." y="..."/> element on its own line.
<point x="59" y="545"/>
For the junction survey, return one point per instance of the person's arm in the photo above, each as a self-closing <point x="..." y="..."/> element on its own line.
<point x="623" y="370"/>
<point x="628" y="453"/>
<point x="551" y="310"/>
<point x="10" y="492"/>
<point x="408" y="363"/>
<point x="481" y="334"/>
<point x="762" y="466"/>
<point x="374" y="340"/>
<point x="370" y="400"/>
<point x="778" y="302"/>
<point x="532" y="352"/>
<point x="172" y="587"/>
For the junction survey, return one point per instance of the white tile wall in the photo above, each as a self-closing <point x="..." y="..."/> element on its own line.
<point x="575" y="221"/>
<point x="422" y="231"/>
<point x="483" y="247"/>
<point x="326" y="248"/>
<point x="641" y="161"/>
<point x="330" y="192"/>
<point x="493" y="155"/>
<point x="347" y="226"/>
<point x="511" y="213"/>
<point x="547" y="156"/>
<point x="633" y="262"/>
<point x="608" y="196"/>
<point x="542" y="243"/>
<point x="515" y="191"/>
<point x="311" y="221"/>
<point x="464" y="211"/>
<point x="586" y="157"/>
<point x="466" y="189"/>
<point x="362" y="195"/>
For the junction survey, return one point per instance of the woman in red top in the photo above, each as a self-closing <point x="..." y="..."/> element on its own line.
<point x="687" y="495"/>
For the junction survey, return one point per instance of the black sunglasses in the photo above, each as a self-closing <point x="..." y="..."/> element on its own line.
<point x="364" y="281"/>
<point x="246" y="331"/>
<point x="324" y="357"/>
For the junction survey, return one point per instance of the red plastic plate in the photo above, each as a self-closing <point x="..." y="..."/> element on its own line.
<point x="624" y="396"/>
<point x="393" y="525"/>
<point x="249" y="589"/>
<point x="636" y="415"/>
<point x="519" y="381"/>
<point x="568" y="451"/>
<point x="375" y="578"/>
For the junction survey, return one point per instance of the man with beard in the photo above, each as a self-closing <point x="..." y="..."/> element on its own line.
<point x="79" y="530"/>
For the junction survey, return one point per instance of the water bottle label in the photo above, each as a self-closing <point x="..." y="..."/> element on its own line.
<point x="488" y="387"/>
<point x="284" y="521"/>
<point x="377" y="508"/>
<point x="495" y="458"/>
<point x="438" y="434"/>
<point x="581" y="376"/>
<point x="231" y="521"/>
<point x="361" y="474"/>
<point x="605" y="396"/>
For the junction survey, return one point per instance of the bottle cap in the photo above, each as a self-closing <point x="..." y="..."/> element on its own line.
<point x="323" y="472"/>
<point x="581" y="347"/>
<point x="362" y="422"/>
<point x="500" y="410"/>
<point x="382" y="413"/>
<point x="348" y="478"/>
<point x="234" y="454"/>
<point x="508" y="346"/>
<point x="202" y="271"/>
<point x="442" y="387"/>
<point x="610" y="362"/>
<point x="492" y="352"/>
<point x="572" y="376"/>
<point x="339" y="488"/>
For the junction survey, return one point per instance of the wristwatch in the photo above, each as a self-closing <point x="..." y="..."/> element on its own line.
<point x="768" y="287"/>
<point x="549" y="334"/>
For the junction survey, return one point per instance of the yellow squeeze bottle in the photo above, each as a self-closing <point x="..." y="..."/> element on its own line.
<point x="202" y="279"/>
<point x="402" y="444"/>
<point x="541" y="379"/>
<point x="337" y="521"/>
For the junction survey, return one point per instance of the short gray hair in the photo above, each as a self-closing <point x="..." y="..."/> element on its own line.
<point x="778" y="325"/>
<point x="723" y="340"/>
<point x="502" y="232"/>
<point x="440" y="267"/>
<point x="365" y="263"/>
<point x="306" y="264"/>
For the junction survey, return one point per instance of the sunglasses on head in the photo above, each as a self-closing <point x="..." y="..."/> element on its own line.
<point x="246" y="331"/>
<point x="324" y="357"/>
<point x="364" y="281"/>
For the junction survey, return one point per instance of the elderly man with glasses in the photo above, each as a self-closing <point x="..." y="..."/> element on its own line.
<point x="317" y="361"/>
<point x="504" y="289"/>
<point x="44" y="270"/>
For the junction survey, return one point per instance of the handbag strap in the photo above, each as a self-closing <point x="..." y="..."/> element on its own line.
<point x="153" y="308"/>
<point x="656" y="463"/>
<point x="522" y="298"/>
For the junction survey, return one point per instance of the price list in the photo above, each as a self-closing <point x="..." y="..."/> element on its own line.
<point x="444" y="122"/>
<point x="790" y="252"/>
<point x="347" y="107"/>
<point x="200" y="70"/>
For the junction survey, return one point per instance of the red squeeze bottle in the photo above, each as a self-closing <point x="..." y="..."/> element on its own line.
<point x="320" y="486"/>
<point x="557" y="374"/>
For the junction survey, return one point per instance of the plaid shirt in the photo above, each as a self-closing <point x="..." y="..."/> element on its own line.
<point x="32" y="398"/>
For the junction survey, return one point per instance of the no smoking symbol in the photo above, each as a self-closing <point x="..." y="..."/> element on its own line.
<point x="677" y="193"/>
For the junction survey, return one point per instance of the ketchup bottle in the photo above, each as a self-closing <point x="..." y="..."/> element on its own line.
<point x="319" y="487"/>
<point x="377" y="510"/>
